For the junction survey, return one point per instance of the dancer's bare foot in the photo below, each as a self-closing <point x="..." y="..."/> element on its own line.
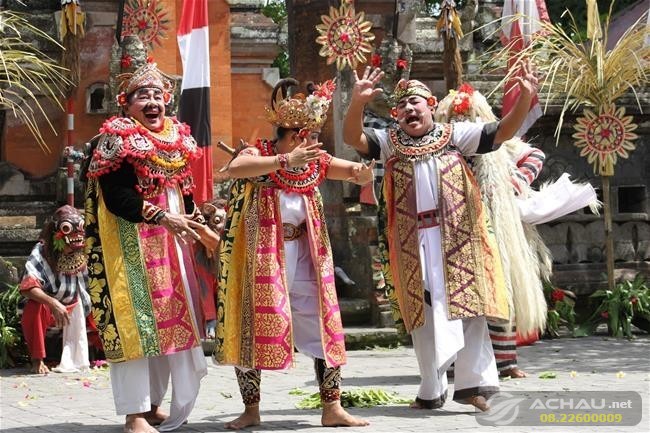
<point x="136" y="423"/>
<point x="155" y="416"/>
<point x="335" y="416"/>
<point x="250" y="417"/>
<point x="39" y="367"/>
<point x="478" y="401"/>
<point x="513" y="373"/>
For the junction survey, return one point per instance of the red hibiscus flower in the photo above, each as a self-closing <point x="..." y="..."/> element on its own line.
<point x="375" y="60"/>
<point x="466" y="88"/>
<point x="401" y="64"/>
<point x="126" y="61"/>
<point x="557" y="295"/>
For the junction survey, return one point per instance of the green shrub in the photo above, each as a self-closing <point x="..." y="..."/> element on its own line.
<point x="618" y="308"/>
<point x="12" y="346"/>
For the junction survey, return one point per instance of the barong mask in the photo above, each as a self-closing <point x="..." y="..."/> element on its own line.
<point x="298" y="111"/>
<point x="215" y="214"/>
<point x="464" y="104"/>
<point x="68" y="229"/>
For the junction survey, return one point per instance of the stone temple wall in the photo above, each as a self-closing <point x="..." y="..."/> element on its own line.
<point x="577" y="241"/>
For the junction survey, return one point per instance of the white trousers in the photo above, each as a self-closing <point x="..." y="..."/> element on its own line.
<point x="303" y="297"/>
<point x="475" y="370"/>
<point x="441" y="341"/>
<point x="141" y="383"/>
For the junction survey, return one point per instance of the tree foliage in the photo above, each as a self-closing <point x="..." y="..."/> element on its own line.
<point x="27" y="74"/>
<point x="578" y="8"/>
<point x="277" y="11"/>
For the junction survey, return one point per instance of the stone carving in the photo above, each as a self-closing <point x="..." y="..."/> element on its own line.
<point x="556" y="240"/>
<point x="624" y="245"/>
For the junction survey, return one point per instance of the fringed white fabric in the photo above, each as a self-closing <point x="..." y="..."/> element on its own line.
<point x="557" y="199"/>
<point x="520" y="257"/>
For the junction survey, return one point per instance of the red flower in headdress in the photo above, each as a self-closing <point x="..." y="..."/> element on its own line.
<point x="466" y="88"/>
<point x="121" y="99"/>
<point x="150" y="59"/>
<point x="401" y="64"/>
<point x="326" y="89"/>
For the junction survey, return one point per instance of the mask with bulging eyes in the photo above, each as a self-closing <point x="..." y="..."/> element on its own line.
<point x="68" y="228"/>
<point x="215" y="215"/>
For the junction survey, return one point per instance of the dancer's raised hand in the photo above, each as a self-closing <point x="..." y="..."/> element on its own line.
<point x="365" y="88"/>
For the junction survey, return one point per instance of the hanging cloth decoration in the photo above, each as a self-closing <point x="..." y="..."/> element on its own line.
<point x="449" y="28"/>
<point x="71" y="30"/>
<point x="345" y="36"/>
<point x="604" y="137"/>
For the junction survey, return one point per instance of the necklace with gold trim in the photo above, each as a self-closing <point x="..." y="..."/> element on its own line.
<point x="429" y="145"/>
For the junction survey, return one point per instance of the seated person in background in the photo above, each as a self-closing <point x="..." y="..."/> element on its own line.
<point x="55" y="287"/>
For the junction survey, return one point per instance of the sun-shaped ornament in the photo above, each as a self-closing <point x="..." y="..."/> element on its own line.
<point x="345" y="36"/>
<point x="146" y="19"/>
<point x="605" y="137"/>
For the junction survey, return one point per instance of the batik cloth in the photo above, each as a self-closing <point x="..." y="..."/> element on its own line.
<point x="140" y="276"/>
<point x="254" y="319"/>
<point x="472" y="270"/>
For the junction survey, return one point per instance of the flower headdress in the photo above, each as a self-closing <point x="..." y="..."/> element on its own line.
<point x="299" y="111"/>
<point x="463" y="104"/>
<point x="147" y="75"/>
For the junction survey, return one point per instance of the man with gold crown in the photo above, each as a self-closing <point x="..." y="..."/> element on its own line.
<point x="141" y="222"/>
<point x="442" y="269"/>
<point x="276" y="289"/>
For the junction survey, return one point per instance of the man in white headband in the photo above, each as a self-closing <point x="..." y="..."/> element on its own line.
<point x="441" y="264"/>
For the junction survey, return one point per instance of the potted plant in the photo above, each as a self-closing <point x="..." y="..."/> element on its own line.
<point x="618" y="308"/>
<point x="561" y="303"/>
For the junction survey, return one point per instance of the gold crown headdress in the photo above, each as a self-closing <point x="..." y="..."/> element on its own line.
<point x="406" y="88"/>
<point x="147" y="75"/>
<point x="299" y="111"/>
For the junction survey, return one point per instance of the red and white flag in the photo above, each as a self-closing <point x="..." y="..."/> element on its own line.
<point x="194" y="107"/>
<point x="517" y="35"/>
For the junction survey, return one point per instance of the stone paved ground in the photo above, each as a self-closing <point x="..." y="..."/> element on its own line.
<point x="66" y="403"/>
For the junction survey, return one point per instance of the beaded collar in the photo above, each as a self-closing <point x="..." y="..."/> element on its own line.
<point x="160" y="159"/>
<point x="73" y="263"/>
<point x="431" y="144"/>
<point x="298" y="179"/>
